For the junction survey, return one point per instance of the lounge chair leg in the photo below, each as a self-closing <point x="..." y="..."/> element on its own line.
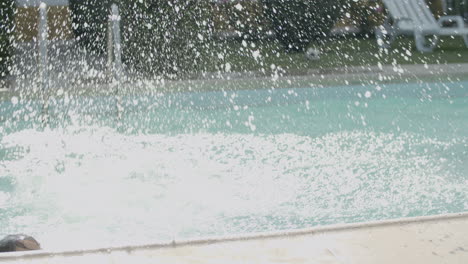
<point x="385" y="36"/>
<point x="465" y="38"/>
<point x="423" y="44"/>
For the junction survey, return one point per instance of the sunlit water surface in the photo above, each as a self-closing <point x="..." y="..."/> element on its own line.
<point x="223" y="163"/>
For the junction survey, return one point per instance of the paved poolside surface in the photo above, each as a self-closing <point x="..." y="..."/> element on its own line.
<point x="26" y="88"/>
<point x="439" y="239"/>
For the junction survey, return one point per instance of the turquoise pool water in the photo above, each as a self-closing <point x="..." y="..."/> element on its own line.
<point x="188" y="165"/>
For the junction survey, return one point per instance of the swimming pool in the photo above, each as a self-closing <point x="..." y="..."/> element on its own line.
<point x="189" y="165"/>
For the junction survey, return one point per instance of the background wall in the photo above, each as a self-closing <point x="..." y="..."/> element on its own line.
<point x="27" y="15"/>
<point x="37" y="2"/>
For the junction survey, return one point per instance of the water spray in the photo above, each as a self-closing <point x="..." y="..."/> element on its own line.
<point x="114" y="54"/>
<point x="42" y="38"/>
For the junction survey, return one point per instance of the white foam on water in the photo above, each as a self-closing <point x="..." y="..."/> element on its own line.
<point x="93" y="186"/>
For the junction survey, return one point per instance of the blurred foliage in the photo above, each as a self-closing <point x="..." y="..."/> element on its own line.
<point x="6" y="34"/>
<point x="298" y="22"/>
<point x="159" y="37"/>
<point x="245" y="18"/>
<point x="89" y="22"/>
<point x="458" y="7"/>
<point x="173" y="37"/>
<point x="167" y="37"/>
<point x="364" y="14"/>
<point x="436" y="7"/>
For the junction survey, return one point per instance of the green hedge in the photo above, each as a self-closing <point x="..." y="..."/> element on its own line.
<point x="298" y="22"/>
<point x="365" y="14"/>
<point x="89" y="22"/>
<point x="245" y="18"/>
<point x="159" y="37"/>
<point x="173" y="36"/>
<point x="167" y="37"/>
<point x="6" y="27"/>
<point x="459" y="7"/>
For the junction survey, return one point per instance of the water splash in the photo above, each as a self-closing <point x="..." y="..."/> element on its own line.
<point x="89" y="180"/>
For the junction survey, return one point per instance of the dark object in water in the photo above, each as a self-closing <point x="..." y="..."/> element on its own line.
<point x="19" y="242"/>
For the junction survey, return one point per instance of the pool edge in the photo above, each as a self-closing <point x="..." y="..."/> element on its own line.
<point x="41" y="254"/>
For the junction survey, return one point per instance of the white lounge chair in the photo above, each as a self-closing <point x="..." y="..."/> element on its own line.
<point x="413" y="17"/>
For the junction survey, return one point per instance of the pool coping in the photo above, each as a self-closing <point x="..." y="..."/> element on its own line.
<point x="254" y="79"/>
<point x="403" y="69"/>
<point x="41" y="254"/>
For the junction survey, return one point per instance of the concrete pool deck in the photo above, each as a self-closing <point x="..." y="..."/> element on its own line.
<point x="26" y="88"/>
<point x="433" y="239"/>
